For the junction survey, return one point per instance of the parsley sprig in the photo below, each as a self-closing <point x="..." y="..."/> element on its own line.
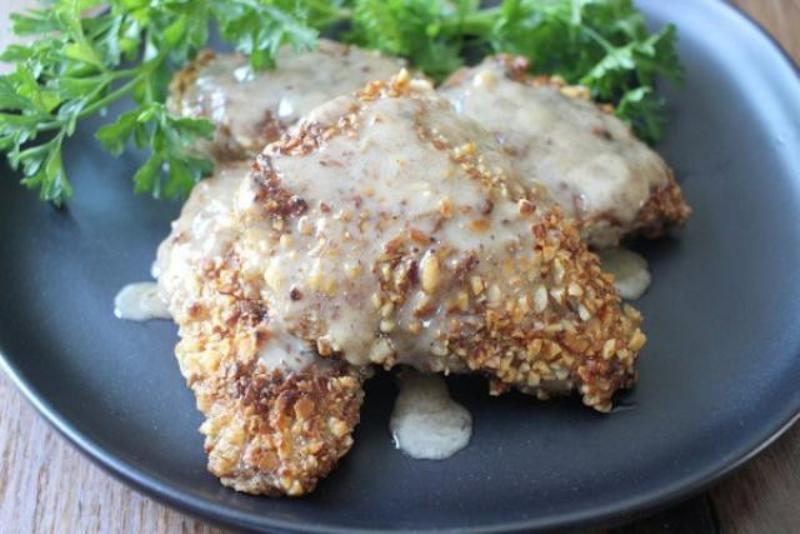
<point x="602" y="44"/>
<point x="78" y="64"/>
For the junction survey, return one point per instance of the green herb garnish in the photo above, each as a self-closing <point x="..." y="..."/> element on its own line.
<point x="77" y="64"/>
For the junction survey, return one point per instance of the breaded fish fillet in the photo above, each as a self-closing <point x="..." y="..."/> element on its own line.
<point x="389" y="229"/>
<point x="251" y="109"/>
<point x="386" y="229"/>
<point x="609" y="181"/>
<point x="277" y="417"/>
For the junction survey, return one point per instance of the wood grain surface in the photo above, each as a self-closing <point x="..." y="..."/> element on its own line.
<point x="47" y="486"/>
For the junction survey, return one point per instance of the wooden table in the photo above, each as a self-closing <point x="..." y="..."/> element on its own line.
<point x="47" y="486"/>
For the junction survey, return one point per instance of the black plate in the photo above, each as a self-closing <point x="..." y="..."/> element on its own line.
<point x="718" y="378"/>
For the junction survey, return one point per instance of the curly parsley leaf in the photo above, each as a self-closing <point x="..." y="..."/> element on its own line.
<point x="79" y="64"/>
<point x="172" y="168"/>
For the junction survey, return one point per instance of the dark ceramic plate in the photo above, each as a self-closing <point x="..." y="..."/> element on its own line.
<point x="719" y="377"/>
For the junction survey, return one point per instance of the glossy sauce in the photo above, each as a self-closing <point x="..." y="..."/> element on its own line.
<point x="329" y="256"/>
<point x="203" y="231"/>
<point x="630" y="270"/>
<point x="287" y="353"/>
<point x="140" y="301"/>
<point x="426" y="423"/>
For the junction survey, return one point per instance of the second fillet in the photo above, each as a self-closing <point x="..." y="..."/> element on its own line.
<point x="611" y="183"/>
<point x="251" y="109"/>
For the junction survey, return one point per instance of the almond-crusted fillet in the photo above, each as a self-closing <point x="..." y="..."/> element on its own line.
<point x="608" y="180"/>
<point x="252" y="109"/>
<point x="277" y="416"/>
<point x="389" y="229"/>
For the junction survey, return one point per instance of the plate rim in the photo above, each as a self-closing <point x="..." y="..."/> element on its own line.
<point x="217" y="513"/>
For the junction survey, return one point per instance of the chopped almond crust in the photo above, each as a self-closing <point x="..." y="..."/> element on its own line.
<point x="665" y="209"/>
<point x="268" y="431"/>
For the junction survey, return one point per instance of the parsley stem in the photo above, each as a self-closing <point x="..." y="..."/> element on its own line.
<point x="596" y="37"/>
<point x="326" y="14"/>
<point x="476" y="23"/>
<point x="110" y="97"/>
<point x="49" y="125"/>
<point x="102" y="102"/>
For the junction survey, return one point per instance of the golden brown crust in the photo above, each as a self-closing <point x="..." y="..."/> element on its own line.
<point x="569" y="334"/>
<point x="268" y="431"/>
<point x="665" y="209"/>
<point x="286" y="433"/>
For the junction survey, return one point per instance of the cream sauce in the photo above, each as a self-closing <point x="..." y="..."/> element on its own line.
<point x="203" y="232"/>
<point x="426" y="423"/>
<point x="286" y="353"/>
<point x="329" y="256"/>
<point x="630" y="270"/>
<point x="141" y="301"/>
<point x="245" y="103"/>
<point x="589" y="160"/>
